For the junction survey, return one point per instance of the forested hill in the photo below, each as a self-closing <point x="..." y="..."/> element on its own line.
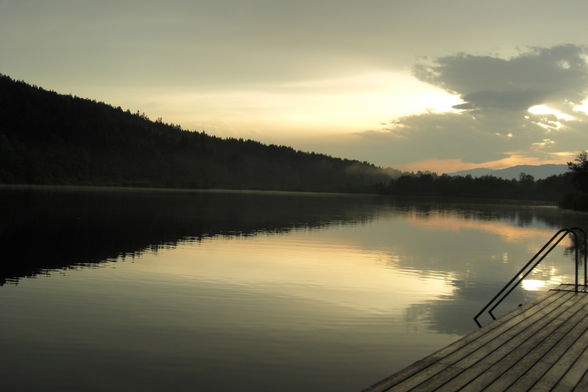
<point x="49" y="138"/>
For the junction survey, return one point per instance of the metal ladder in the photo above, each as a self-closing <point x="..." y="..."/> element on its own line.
<point x="535" y="260"/>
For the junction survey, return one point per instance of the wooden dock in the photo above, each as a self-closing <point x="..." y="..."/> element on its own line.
<point x="541" y="346"/>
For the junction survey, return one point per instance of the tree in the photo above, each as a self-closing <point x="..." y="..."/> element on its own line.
<point x="579" y="169"/>
<point x="526" y="178"/>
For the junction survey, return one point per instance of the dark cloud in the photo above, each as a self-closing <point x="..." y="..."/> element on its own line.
<point x="541" y="75"/>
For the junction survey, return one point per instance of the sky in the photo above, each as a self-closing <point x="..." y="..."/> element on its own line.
<point x="416" y="85"/>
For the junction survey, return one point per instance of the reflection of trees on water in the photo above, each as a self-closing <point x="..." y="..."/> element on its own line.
<point x="579" y="242"/>
<point x="43" y="230"/>
<point x="521" y="216"/>
<point x="47" y="229"/>
<point x="517" y="214"/>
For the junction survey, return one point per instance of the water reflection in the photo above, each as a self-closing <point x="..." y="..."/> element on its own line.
<point x="48" y="229"/>
<point x="52" y="228"/>
<point x="257" y="290"/>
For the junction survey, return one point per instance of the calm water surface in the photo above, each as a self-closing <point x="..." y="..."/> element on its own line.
<point x="152" y="291"/>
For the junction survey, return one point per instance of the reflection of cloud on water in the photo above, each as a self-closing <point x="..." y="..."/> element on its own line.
<point x="455" y="314"/>
<point x="347" y="278"/>
<point x="483" y="252"/>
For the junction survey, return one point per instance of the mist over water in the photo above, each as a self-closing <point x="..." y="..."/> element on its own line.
<point x="153" y="290"/>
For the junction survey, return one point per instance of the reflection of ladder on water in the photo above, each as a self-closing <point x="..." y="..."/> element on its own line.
<point x="542" y="345"/>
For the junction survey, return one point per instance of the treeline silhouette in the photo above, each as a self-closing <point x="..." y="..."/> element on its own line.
<point x="552" y="188"/>
<point x="49" y="138"/>
<point x="578" y="198"/>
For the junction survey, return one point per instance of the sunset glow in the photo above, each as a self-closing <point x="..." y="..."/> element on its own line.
<point x="306" y="108"/>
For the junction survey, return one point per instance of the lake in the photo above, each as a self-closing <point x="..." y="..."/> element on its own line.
<point x="118" y="290"/>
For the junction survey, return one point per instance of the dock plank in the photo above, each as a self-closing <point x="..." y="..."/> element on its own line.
<point x="488" y="332"/>
<point x="508" y="369"/>
<point x="583" y="384"/>
<point x="544" y="364"/>
<point x="539" y="346"/>
<point x="555" y="377"/>
<point x="491" y="363"/>
<point x="573" y="376"/>
<point x="446" y="360"/>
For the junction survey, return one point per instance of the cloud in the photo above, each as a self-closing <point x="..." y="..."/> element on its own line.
<point x="541" y="75"/>
<point x="434" y="135"/>
<point x="494" y="121"/>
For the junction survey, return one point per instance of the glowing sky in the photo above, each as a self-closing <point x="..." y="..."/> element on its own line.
<point x="440" y="85"/>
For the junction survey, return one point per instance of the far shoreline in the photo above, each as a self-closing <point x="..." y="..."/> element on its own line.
<point x="400" y="198"/>
<point x="117" y="188"/>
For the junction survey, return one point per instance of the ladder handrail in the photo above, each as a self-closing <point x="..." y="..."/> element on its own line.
<point x="585" y="248"/>
<point x="521" y="278"/>
<point x="562" y="233"/>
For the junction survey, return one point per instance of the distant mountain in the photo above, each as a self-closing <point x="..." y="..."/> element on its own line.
<point x="49" y="138"/>
<point x="509" y="173"/>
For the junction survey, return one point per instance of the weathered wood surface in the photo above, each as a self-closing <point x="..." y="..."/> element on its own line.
<point x="541" y="346"/>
